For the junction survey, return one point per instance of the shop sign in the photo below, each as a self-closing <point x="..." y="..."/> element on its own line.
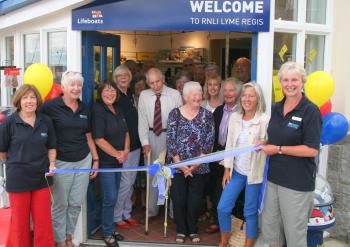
<point x="187" y="15"/>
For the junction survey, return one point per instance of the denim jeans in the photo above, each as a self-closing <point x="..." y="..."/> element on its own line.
<point x="109" y="185"/>
<point x="228" y="200"/>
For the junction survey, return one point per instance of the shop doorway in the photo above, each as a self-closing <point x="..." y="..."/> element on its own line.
<point x="103" y="51"/>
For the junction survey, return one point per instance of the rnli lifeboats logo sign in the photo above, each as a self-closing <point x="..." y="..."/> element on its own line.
<point x="95" y="17"/>
<point x="190" y="15"/>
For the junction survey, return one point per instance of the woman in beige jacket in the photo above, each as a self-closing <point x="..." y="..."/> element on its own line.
<point x="247" y="127"/>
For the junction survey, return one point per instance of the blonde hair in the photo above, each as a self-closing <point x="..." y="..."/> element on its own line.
<point x="206" y="95"/>
<point x="261" y="105"/>
<point x="294" y="67"/>
<point x="120" y="70"/>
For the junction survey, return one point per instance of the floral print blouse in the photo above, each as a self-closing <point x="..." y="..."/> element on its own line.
<point x="190" y="138"/>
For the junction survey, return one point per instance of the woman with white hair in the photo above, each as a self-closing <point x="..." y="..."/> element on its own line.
<point x="294" y="135"/>
<point x="247" y="127"/>
<point x="190" y="133"/>
<point x="75" y="149"/>
<point x="122" y="213"/>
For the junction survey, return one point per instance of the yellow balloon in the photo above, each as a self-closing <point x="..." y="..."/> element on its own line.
<point x="40" y="76"/>
<point x="277" y="89"/>
<point x="319" y="87"/>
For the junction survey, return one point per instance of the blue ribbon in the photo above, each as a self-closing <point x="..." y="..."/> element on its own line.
<point x="162" y="174"/>
<point x="263" y="186"/>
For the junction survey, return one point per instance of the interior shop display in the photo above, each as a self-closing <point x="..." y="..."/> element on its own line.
<point x="11" y="76"/>
<point x="178" y="55"/>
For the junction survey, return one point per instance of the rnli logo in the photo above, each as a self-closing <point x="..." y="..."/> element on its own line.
<point x="96" y="14"/>
<point x="95" y="18"/>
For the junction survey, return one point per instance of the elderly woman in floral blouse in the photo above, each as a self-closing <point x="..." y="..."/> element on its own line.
<point x="190" y="133"/>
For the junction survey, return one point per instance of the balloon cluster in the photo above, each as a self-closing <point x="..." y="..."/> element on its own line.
<point x="319" y="88"/>
<point x="40" y="76"/>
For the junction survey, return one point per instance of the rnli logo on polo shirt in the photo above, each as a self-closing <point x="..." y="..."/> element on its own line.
<point x="43" y="134"/>
<point x="83" y="116"/>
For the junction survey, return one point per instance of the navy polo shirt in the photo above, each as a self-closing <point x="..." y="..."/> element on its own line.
<point x="302" y="126"/>
<point x="27" y="151"/>
<point x="112" y="127"/>
<point x="126" y="104"/>
<point x="71" y="129"/>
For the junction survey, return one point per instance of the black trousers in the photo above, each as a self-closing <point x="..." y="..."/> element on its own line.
<point x="186" y="194"/>
<point x="215" y="187"/>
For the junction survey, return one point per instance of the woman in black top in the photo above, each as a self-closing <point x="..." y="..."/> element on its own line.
<point x="75" y="149"/>
<point x="293" y="142"/>
<point x="113" y="143"/>
<point x="27" y="143"/>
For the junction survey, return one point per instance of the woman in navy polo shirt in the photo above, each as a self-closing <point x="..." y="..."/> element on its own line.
<point x="111" y="135"/>
<point x="75" y="149"/>
<point x="27" y="143"/>
<point x="293" y="142"/>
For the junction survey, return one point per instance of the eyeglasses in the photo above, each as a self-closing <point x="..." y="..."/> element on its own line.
<point x="71" y="73"/>
<point x="188" y="65"/>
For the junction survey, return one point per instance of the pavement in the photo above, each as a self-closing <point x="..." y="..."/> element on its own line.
<point x="335" y="243"/>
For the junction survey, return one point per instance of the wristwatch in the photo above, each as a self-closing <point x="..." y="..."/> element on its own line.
<point x="280" y="150"/>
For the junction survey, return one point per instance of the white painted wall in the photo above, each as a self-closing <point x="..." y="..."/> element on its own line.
<point x="341" y="57"/>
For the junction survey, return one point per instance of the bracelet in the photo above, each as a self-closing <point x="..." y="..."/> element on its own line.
<point x="95" y="160"/>
<point x="52" y="161"/>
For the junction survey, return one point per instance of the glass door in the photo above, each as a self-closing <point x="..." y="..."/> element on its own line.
<point x="101" y="54"/>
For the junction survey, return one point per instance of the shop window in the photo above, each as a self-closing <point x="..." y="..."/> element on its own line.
<point x="57" y="54"/>
<point x="110" y="63"/>
<point x="314" y="52"/>
<point x="31" y="49"/>
<point x="9" y="61"/>
<point x="316" y="11"/>
<point x="9" y="53"/>
<point x="286" y="10"/>
<point x="284" y="49"/>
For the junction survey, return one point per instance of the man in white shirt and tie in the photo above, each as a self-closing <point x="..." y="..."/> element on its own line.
<point x="154" y="107"/>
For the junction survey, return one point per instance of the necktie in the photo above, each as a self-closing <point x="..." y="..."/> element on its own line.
<point x="157" y="121"/>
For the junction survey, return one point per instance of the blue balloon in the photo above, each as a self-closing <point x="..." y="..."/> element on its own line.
<point x="334" y="128"/>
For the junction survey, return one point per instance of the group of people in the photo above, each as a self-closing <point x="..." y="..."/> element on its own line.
<point x="192" y="121"/>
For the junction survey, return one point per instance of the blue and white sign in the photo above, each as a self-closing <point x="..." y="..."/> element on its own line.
<point x="187" y="15"/>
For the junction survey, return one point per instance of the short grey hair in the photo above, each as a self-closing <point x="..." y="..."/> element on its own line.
<point x="234" y="81"/>
<point x="294" y="67"/>
<point x="261" y="107"/>
<point x="191" y="86"/>
<point x="156" y="70"/>
<point x="120" y="70"/>
<point x="70" y="76"/>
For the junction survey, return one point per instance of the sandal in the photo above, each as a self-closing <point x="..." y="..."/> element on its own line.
<point x="195" y="238"/>
<point x="110" y="241"/>
<point x="118" y="236"/>
<point x="180" y="238"/>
